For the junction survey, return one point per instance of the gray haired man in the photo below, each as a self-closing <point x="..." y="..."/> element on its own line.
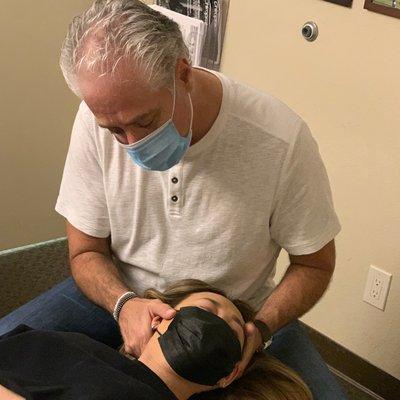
<point x="173" y="172"/>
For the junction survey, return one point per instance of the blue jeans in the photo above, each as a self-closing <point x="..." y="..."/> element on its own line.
<point x="292" y="345"/>
<point x="66" y="308"/>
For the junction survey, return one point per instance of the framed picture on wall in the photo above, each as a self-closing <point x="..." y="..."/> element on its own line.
<point x="387" y="7"/>
<point x="346" y="3"/>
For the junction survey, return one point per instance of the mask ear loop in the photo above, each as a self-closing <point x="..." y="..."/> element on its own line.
<point x="191" y="114"/>
<point x="191" y="107"/>
<point x="157" y="331"/>
<point x="173" y="107"/>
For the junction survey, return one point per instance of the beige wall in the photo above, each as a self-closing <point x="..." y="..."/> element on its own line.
<point x="36" y="114"/>
<point x="345" y="85"/>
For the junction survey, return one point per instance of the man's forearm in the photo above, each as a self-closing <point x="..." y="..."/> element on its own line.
<point x="299" y="290"/>
<point x="98" y="278"/>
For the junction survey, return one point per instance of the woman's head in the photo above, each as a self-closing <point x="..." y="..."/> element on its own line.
<point x="217" y="304"/>
<point x="194" y="292"/>
<point x="210" y="328"/>
<point x="265" y="377"/>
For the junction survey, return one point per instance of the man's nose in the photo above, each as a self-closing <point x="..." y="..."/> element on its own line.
<point x="128" y="137"/>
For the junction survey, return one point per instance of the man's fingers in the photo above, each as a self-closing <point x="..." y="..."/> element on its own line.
<point x="250" y="328"/>
<point x="131" y="350"/>
<point x="164" y="311"/>
<point x="248" y="350"/>
<point x="249" y="347"/>
<point x="136" y="322"/>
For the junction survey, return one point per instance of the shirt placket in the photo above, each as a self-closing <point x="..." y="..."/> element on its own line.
<point x="175" y="189"/>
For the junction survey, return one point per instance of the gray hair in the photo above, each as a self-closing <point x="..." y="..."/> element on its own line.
<point x="112" y="30"/>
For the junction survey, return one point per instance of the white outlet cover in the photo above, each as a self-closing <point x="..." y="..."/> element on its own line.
<point x="377" y="287"/>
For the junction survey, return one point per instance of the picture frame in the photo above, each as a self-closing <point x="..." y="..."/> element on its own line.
<point x="346" y="3"/>
<point x="377" y="6"/>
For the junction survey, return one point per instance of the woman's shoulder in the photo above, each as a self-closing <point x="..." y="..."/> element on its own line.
<point x="77" y="363"/>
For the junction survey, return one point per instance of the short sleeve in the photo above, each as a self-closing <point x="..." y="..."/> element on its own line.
<point x="81" y="198"/>
<point x="303" y="218"/>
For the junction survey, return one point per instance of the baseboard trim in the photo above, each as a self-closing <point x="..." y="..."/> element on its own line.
<point x="350" y="367"/>
<point x="355" y="384"/>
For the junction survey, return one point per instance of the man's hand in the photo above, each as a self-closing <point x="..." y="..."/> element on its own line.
<point x="135" y="321"/>
<point x="252" y="342"/>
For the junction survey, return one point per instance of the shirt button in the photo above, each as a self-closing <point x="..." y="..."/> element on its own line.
<point x="175" y="180"/>
<point x="174" y="199"/>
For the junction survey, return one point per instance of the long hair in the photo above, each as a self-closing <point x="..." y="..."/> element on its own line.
<point x="265" y="378"/>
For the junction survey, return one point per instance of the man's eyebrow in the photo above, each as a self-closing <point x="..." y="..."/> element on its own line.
<point x="217" y="303"/>
<point x="133" y="120"/>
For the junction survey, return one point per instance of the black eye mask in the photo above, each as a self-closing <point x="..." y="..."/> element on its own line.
<point x="200" y="346"/>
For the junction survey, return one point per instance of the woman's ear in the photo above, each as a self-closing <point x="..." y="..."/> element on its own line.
<point x="155" y="322"/>
<point x="227" y="380"/>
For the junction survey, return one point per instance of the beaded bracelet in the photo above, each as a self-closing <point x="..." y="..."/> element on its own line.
<point x="121" y="301"/>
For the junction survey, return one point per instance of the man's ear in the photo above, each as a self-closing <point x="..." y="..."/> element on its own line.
<point x="184" y="73"/>
<point x="227" y="380"/>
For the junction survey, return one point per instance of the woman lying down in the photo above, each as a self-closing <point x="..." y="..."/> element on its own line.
<point x="193" y="355"/>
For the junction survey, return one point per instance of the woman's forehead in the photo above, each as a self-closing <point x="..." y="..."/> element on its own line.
<point x="212" y="295"/>
<point x="216" y="297"/>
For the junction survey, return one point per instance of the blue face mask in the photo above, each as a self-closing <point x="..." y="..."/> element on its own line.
<point x="164" y="147"/>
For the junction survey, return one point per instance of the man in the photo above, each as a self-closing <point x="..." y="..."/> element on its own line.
<point x="180" y="172"/>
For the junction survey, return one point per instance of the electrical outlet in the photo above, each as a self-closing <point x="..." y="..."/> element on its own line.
<point x="377" y="287"/>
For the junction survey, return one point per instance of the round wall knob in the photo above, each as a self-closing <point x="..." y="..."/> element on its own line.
<point x="310" y="31"/>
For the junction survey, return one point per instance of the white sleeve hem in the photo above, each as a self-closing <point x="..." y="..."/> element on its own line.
<point x="77" y="223"/>
<point x="316" y="245"/>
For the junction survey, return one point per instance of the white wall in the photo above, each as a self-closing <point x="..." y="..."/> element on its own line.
<point x="346" y="86"/>
<point x="36" y="115"/>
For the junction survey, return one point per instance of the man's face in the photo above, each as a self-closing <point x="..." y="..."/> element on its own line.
<point x="125" y="104"/>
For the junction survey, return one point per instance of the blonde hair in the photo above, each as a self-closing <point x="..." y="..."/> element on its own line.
<point x="265" y="378"/>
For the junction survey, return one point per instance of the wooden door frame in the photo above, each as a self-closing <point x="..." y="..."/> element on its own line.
<point x="379" y="8"/>
<point x="346" y="3"/>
